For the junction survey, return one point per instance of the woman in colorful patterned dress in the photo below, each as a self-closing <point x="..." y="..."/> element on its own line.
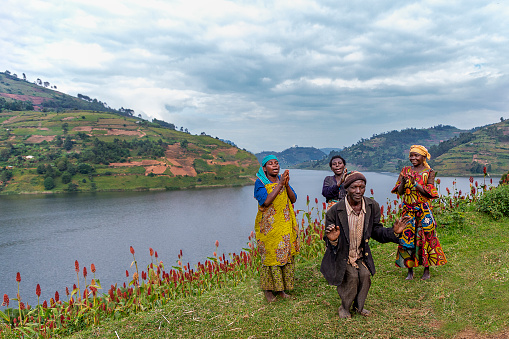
<point x="276" y="229"/>
<point x="418" y="244"/>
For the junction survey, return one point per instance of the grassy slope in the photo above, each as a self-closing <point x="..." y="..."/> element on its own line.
<point x="22" y="125"/>
<point x="487" y="147"/>
<point x="467" y="298"/>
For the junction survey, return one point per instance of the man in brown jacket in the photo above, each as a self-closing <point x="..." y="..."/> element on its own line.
<point x="347" y="262"/>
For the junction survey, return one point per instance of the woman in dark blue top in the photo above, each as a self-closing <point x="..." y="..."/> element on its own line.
<point x="333" y="189"/>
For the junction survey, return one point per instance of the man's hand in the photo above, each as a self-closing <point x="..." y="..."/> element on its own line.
<point x="332" y="232"/>
<point x="399" y="225"/>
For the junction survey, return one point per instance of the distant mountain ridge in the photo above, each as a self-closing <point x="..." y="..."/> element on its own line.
<point x="293" y="155"/>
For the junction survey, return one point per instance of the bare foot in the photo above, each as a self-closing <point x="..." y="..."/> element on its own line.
<point x="410" y="274"/>
<point x="426" y="275"/>
<point x="364" y="312"/>
<point x="269" y="296"/>
<point x="344" y="314"/>
<point x="283" y="295"/>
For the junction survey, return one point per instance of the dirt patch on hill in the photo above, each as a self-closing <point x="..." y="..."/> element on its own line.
<point x="115" y="131"/>
<point x="151" y="166"/>
<point x="181" y="161"/>
<point x="11" y="119"/>
<point x="69" y="118"/>
<point x="36" y="139"/>
<point x="82" y="129"/>
<point x="34" y="100"/>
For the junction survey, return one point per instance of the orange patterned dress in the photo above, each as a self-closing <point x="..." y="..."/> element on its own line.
<point x="419" y="245"/>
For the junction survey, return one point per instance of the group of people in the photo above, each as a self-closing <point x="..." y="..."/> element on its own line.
<point x="351" y="221"/>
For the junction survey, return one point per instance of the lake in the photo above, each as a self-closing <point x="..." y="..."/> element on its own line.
<point x="43" y="235"/>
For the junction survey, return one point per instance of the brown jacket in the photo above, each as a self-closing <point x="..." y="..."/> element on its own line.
<point x="335" y="258"/>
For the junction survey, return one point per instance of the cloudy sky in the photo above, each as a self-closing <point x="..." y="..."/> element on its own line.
<point x="272" y="74"/>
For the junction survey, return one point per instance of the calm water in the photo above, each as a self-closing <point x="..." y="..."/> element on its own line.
<point x="42" y="236"/>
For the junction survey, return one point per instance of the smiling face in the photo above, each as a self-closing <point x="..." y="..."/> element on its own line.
<point x="337" y="166"/>
<point x="271" y="168"/>
<point x="416" y="159"/>
<point x="355" y="191"/>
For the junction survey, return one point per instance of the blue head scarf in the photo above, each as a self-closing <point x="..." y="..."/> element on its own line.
<point x="261" y="173"/>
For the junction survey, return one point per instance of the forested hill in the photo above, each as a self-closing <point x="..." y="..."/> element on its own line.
<point x="293" y="155"/>
<point x="387" y="151"/>
<point x="17" y="93"/>
<point x="100" y="151"/>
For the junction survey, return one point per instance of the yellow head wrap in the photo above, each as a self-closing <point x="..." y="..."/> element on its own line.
<point x="422" y="151"/>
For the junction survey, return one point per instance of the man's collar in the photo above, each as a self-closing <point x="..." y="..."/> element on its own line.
<point x="349" y="209"/>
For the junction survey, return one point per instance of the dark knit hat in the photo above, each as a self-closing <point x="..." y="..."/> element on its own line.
<point x="353" y="176"/>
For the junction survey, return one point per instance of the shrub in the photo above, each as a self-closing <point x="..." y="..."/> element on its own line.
<point x="49" y="183"/>
<point x="495" y="202"/>
<point x="66" y="178"/>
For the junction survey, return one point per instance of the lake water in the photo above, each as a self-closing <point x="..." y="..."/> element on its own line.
<point x="42" y="236"/>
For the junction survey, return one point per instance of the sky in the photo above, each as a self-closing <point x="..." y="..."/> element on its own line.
<point x="269" y="75"/>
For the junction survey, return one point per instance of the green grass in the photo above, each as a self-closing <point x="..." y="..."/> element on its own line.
<point x="470" y="293"/>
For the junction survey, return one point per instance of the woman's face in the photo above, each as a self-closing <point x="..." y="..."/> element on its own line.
<point x="416" y="159"/>
<point x="337" y="166"/>
<point x="272" y="168"/>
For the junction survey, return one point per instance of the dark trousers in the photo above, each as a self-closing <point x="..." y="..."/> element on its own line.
<point x="355" y="286"/>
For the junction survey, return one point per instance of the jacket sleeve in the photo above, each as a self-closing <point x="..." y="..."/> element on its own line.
<point x="330" y="189"/>
<point x="380" y="233"/>
<point x="331" y="219"/>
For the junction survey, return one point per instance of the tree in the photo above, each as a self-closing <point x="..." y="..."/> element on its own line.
<point x="24" y="77"/>
<point x="66" y="178"/>
<point x="49" y="183"/>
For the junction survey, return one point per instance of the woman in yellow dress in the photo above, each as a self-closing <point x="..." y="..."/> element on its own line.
<point x="276" y="229"/>
<point x="419" y="243"/>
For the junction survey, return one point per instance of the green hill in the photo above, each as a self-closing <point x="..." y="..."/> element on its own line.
<point x="386" y="152"/>
<point x="469" y="153"/>
<point x="293" y="155"/>
<point x="19" y="94"/>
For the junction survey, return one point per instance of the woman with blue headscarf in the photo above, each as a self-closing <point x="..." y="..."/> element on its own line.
<point x="276" y="229"/>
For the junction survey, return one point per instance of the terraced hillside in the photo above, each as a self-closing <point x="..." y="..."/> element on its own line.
<point x="100" y="151"/>
<point x="486" y="147"/>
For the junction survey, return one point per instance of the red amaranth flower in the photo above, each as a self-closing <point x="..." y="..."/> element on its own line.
<point x="57" y="296"/>
<point x="77" y="266"/>
<point x="156" y="254"/>
<point x="45" y="304"/>
<point x="471" y="179"/>
<point x="92" y="268"/>
<point x="131" y="249"/>
<point x="217" y="243"/>
<point x="126" y="273"/>
<point x="324" y="206"/>
<point x="85" y="271"/>
<point x="38" y="290"/>
<point x="18" y="277"/>
<point x="67" y="291"/>
<point x="6" y="300"/>
<point x="484" y="169"/>
<point x="151" y="251"/>
<point x="316" y="200"/>
<point x="372" y="192"/>
<point x="438" y="181"/>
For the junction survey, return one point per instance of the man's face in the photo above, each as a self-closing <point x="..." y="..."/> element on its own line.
<point x="356" y="191"/>
<point x="272" y="168"/>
